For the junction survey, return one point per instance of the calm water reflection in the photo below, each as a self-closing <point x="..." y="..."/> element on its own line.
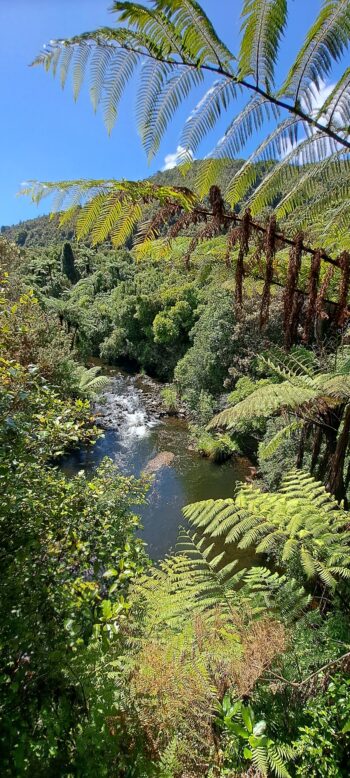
<point x="139" y="438"/>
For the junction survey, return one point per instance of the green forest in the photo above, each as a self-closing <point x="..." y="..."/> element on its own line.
<point x="226" y="281"/>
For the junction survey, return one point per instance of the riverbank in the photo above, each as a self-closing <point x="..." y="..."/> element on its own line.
<point x="136" y="432"/>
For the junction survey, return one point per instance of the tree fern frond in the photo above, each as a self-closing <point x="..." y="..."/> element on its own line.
<point x="100" y="62"/>
<point x="242" y="127"/>
<point x="66" y="59"/>
<point x="205" y="115"/>
<point x="198" y="33"/>
<point x="265" y="402"/>
<point x="268" y="448"/>
<point x="275" y="145"/>
<point x="263" y="25"/>
<point x="153" y="24"/>
<point x="208" y="173"/>
<point x="82" y="54"/>
<point x="325" y="43"/>
<point x="291" y="169"/>
<point x="336" y="106"/>
<point x="108" y="207"/>
<point x="154" y="76"/>
<point x="177" y="89"/>
<point x="329" y="171"/>
<point x="123" y="65"/>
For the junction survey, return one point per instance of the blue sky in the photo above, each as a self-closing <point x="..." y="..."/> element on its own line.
<point x="44" y="135"/>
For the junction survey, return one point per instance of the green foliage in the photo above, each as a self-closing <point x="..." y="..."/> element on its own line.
<point x="90" y="382"/>
<point x="200" y="369"/>
<point x="300" y="526"/>
<point x="216" y="448"/>
<point x="170" y="399"/>
<point x="246" y="740"/>
<point x="323" y="745"/>
<point x="69" y="553"/>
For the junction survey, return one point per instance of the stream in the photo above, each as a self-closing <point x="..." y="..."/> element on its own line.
<point x="135" y="433"/>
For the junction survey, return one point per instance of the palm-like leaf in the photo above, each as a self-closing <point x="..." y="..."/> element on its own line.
<point x="300" y="522"/>
<point x="325" y="43"/>
<point x="107" y="208"/>
<point x="301" y="390"/>
<point x="264" y="22"/>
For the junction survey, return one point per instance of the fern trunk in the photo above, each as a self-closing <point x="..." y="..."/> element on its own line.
<point x="332" y="420"/>
<point x="336" y="484"/>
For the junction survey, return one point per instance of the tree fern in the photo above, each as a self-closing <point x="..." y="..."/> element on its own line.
<point x="336" y="106"/>
<point x="299" y="388"/>
<point x="172" y="46"/>
<point x="90" y="382"/>
<point x="300" y="523"/>
<point x="108" y="208"/>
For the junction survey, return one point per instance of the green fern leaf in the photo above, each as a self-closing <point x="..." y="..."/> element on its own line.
<point x="263" y="25"/>
<point x="325" y="43"/>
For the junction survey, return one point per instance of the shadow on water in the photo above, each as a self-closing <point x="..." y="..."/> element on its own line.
<point x="135" y="437"/>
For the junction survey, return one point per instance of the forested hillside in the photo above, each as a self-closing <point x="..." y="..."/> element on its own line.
<point x="227" y="281"/>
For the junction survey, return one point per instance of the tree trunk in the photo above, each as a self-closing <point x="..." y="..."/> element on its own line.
<point x="335" y="483"/>
<point x="332" y="420"/>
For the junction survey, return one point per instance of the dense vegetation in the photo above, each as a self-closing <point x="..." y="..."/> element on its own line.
<point x="202" y="665"/>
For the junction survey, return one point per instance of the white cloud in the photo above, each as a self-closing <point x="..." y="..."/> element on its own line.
<point x="171" y="160"/>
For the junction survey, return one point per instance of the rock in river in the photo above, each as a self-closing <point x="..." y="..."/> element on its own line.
<point x="163" y="459"/>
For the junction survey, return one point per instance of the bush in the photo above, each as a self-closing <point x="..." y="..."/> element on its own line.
<point x="170" y="399"/>
<point x="216" y="448"/>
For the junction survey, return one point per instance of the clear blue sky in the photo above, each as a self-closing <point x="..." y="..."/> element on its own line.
<point x="44" y="135"/>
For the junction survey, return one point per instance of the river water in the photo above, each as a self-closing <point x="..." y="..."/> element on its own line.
<point x="134" y="434"/>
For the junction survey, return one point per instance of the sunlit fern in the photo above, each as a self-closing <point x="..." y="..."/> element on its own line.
<point x="302" y="389"/>
<point x="300" y="524"/>
<point x="104" y="209"/>
<point x="90" y="383"/>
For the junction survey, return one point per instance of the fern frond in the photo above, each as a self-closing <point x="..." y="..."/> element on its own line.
<point x="336" y="106"/>
<point x="275" y="145"/>
<point x="277" y="763"/>
<point x="291" y="169"/>
<point x="170" y="98"/>
<point x="325" y="43"/>
<point x="259" y="759"/>
<point x="263" y="25"/>
<point x="268" y="449"/>
<point x="108" y="207"/>
<point x="197" y="32"/>
<point x="265" y="402"/>
<point x="206" y="114"/>
<point x="330" y="171"/>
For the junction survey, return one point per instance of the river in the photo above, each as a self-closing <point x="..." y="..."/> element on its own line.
<point x="134" y="434"/>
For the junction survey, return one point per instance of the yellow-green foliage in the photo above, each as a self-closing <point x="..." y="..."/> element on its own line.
<point x="300" y="525"/>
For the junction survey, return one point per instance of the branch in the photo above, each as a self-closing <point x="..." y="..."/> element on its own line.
<point x="297" y="684"/>
<point x="278" y="235"/>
